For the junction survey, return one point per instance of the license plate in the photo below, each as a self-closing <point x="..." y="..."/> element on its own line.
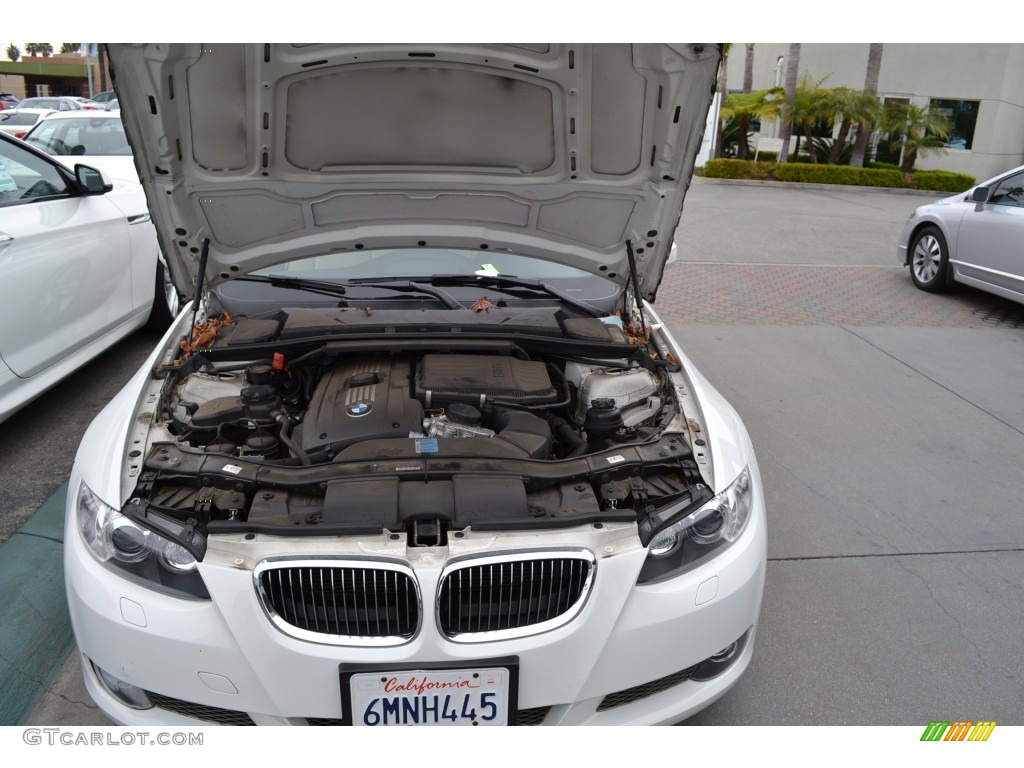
<point x="473" y="696"/>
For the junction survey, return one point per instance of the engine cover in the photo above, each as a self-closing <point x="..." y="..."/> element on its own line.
<point x="361" y="399"/>
<point x="478" y="379"/>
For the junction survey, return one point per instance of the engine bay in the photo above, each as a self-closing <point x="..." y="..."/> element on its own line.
<point x="424" y="436"/>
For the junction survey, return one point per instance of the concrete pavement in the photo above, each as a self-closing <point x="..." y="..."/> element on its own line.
<point x="891" y="462"/>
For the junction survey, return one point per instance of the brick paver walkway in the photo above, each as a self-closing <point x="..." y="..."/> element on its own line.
<point x="793" y="294"/>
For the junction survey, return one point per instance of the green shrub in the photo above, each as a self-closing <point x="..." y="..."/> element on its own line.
<point x="942" y="181"/>
<point x="726" y="168"/>
<point x="879" y="175"/>
<point x="817" y="173"/>
<point x="823" y="150"/>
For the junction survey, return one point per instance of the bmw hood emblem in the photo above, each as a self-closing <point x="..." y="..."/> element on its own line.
<point x="358" y="409"/>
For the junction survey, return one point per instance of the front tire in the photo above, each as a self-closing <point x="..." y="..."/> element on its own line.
<point x="166" y="302"/>
<point x="929" y="260"/>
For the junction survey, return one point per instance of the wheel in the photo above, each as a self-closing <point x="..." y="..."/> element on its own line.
<point x="166" y="302"/>
<point x="929" y="260"/>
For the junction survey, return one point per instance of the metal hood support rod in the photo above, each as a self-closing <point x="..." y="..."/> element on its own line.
<point x="635" y="280"/>
<point x="200" y="279"/>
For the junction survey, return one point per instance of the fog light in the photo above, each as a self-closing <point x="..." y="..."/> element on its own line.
<point x="717" y="663"/>
<point x="725" y="654"/>
<point x="128" y="694"/>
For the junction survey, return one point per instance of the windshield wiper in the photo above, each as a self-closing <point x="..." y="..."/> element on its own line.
<point x="504" y="281"/>
<point x="337" y="289"/>
<point x="408" y="286"/>
<point x="301" y="284"/>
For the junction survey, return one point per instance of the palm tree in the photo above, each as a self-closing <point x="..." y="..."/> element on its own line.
<point x="871" y="75"/>
<point x="810" y="103"/>
<point x="70" y="47"/>
<point x="38" y="49"/>
<point x="792" y="65"/>
<point x="748" y="69"/>
<point x="13" y="53"/>
<point x="722" y="92"/>
<point x="853" y="108"/>
<point x="923" y="131"/>
<point x="742" y="108"/>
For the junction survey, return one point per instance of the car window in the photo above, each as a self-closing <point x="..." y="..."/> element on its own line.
<point x="81" y="136"/>
<point x="19" y="118"/>
<point x="1009" y="191"/>
<point x="25" y="177"/>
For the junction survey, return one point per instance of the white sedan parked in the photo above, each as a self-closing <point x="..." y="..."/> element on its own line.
<point x="79" y="259"/>
<point x="18" y="122"/>
<point x="90" y="137"/>
<point x="427" y="455"/>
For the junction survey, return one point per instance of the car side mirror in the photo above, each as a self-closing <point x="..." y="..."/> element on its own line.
<point x="92" y="181"/>
<point x="980" y="197"/>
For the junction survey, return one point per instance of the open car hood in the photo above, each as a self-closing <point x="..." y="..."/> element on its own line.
<point x="274" y="152"/>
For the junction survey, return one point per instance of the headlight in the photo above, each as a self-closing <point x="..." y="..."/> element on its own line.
<point x="135" y="552"/>
<point x="694" y="539"/>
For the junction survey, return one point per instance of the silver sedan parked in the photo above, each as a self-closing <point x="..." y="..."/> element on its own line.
<point x="975" y="238"/>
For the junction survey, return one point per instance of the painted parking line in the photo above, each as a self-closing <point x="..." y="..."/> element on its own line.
<point x="35" y="635"/>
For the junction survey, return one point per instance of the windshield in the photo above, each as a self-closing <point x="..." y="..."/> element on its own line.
<point x="422" y="262"/>
<point x="81" y="136"/>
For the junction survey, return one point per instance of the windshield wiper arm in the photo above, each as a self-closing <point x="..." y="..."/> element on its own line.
<point x="504" y="281"/>
<point x="337" y="289"/>
<point x="298" y="283"/>
<point x="408" y="286"/>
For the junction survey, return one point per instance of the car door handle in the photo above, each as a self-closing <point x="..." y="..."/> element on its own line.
<point x="5" y="239"/>
<point x="142" y="218"/>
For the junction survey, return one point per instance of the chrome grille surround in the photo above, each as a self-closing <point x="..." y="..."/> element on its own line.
<point x="527" y="593"/>
<point x="375" y="601"/>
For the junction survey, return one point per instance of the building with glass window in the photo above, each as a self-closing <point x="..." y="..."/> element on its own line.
<point x="978" y="86"/>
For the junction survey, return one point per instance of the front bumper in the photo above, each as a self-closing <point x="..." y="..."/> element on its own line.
<point x="903" y="246"/>
<point x="631" y="643"/>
